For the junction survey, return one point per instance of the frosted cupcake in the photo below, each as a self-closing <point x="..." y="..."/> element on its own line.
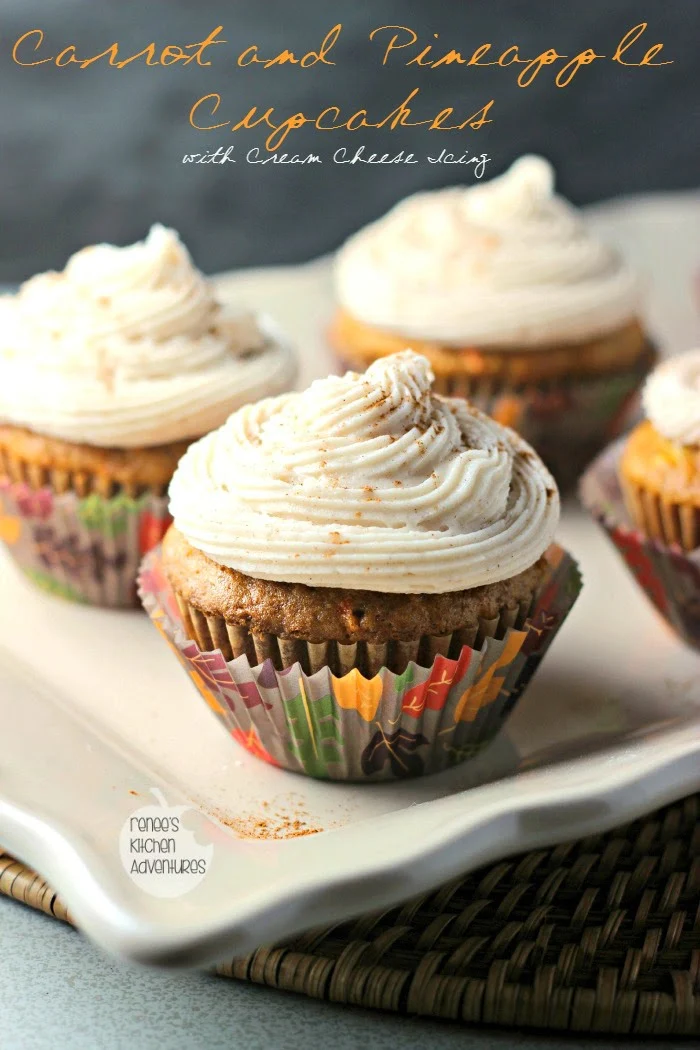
<point x="660" y="464"/>
<point x="645" y="492"/>
<point x="514" y="302"/>
<point x="368" y="549"/>
<point x="107" y="371"/>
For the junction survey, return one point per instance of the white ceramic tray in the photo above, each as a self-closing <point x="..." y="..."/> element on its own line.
<point x="609" y="729"/>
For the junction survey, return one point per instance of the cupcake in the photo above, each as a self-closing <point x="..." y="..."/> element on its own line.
<point x="645" y="492"/>
<point x="514" y="302"/>
<point x="107" y="371"/>
<point x="360" y="578"/>
<point x="660" y="464"/>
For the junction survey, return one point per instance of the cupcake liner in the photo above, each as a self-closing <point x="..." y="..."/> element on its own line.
<point x="567" y="420"/>
<point x="211" y="632"/>
<point x="83" y="548"/>
<point x="668" y="575"/>
<point x="675" y="524"/>
<point x="328" y="720"/>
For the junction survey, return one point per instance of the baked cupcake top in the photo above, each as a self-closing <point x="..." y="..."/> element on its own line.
<point x="368" y="482"/>
<point x="129" y="347"/>
<point x="671" y="398"/>
<point x="507" y="263"/>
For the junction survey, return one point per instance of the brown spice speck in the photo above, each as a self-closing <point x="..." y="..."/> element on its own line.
<point x="287" y="823"/>
<point x="261" y="828"/>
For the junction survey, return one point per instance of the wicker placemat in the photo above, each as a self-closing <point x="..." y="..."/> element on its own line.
<point x="599" y="935"/>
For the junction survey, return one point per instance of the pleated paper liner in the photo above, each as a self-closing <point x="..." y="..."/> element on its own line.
<point x="675" y="524"/>
<point x="338" y="712"/>
<point x="668" y="574"/>
<point x="79" y="538"/>
<point x="568" y="420"/>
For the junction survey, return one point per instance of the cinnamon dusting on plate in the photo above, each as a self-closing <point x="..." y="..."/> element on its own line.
<point x="258" y="828"/>
<point x="272" y="823"/>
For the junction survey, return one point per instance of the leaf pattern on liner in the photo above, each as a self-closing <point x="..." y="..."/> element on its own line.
<point x="398" y="749"/>
<point x="211" y="669"/>
<point x="152" y="529"/>
<point x="641" y="566"/>
<point x="432" y="694"/>
<point x="10" y="529"/>
<point x="109" y="516"/>
<point x="33" y="503"/>
<point x="356" y="693"/>
<point x="251" y="742"/>
<point x="83" y="549"/>
<point x="65" y="551"/>
<point x="315" y="739"/>
<point x="45" y="582"/>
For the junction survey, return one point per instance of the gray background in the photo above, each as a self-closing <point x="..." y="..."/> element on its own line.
<point x="57" y="992"/>
<point x="97" y="154"/>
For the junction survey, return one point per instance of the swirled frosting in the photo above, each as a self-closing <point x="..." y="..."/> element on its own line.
<point x="129" y="347"/>
<point x="367" y="482"/>
<point x="672" y="398"/>
<point x="503" y="264"/>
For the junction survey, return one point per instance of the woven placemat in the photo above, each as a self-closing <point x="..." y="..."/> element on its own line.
<point x="599" y="935"/>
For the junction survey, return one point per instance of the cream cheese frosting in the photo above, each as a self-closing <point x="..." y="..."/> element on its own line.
<point x="671" y="398"/>
<point x="505" y="264"/>
<point x="367" y="482"/>
<point x="129" y="347"/>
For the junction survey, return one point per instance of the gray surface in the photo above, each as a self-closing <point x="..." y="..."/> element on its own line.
<point x="97" y="154"/>
<point x="58" y="993"/>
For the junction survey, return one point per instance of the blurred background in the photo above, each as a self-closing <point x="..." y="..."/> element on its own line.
<point x="97" y="154"/>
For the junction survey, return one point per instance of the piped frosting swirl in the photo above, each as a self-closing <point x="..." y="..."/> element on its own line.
<point x="367" y="482"/>
<point x="506" y="264"/>
<point x="672" y="398"/>
<point x="129" y="347"/>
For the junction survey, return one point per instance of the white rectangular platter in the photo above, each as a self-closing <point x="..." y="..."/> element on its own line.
<point x="609" y="728"/>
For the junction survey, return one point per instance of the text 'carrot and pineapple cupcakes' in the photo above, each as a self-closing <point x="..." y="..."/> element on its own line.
<point x="515" y="303"/>
<point x="361" y="578"/>
<point x="107" y="371"/>
<point x="645" y="491"/>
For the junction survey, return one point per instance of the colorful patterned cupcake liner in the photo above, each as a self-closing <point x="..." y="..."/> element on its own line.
<point x="354" y="728"/>
<point x="568" y="421"/>
<point x="669" y="576"/>
<point x="86" y="549"/>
